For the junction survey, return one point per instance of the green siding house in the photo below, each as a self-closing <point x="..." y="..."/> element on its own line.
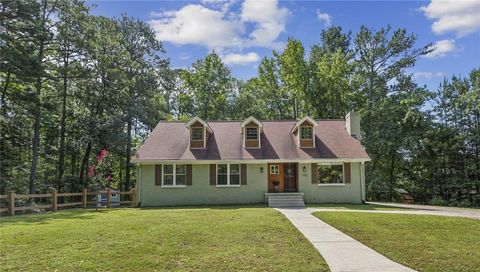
<point x="282" y="163"/>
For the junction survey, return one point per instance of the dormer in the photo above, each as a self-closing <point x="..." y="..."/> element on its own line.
<point x="199" y="132"/>
<point x="251" y="130"/>
<point x="304" y="131"/>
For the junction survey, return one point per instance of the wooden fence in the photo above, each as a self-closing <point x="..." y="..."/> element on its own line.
<point x="54" y="203"/>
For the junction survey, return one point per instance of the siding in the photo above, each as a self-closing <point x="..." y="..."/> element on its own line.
<point x="201" y="192"/>
<point x="349" y="193"/>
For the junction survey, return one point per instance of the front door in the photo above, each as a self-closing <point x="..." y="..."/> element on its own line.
<point x="290" y="177"/>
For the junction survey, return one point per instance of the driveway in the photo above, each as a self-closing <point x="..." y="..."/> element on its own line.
<point x="431" y="210"/>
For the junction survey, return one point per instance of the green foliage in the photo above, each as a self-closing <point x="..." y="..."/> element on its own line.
<point x="210" y="85"/>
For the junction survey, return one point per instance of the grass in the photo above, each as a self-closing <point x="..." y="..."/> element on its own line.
<point x="355" y="207"/>
<point x="189" y="239"/>
<point x="421" y="242"/>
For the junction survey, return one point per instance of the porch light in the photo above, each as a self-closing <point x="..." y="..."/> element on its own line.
<point x="304" y="169"/>
<point x="261" y="169"/>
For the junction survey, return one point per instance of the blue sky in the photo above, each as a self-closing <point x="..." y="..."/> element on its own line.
<point x="243" y="32"/>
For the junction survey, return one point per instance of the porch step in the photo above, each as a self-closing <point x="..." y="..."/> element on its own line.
<point x="284" y="200"/>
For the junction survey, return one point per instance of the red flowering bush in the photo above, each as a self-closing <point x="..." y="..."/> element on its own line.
<point x="100" y="172"/>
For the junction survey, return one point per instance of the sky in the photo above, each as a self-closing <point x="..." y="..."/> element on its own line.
<point x="243" y="32"/>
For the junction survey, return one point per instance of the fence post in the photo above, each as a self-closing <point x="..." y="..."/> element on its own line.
<point x="84" y="198"/>
<point x="11" y="203"/>
<point x="108" y="198"/>
<point x="133" y="197"/>
<point x="54" y="200"/>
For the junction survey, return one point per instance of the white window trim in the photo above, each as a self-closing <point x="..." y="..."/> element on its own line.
<point x="228" y="176"/>
<point x="270" y="169"/>
<point x="174" y="176"/>
<point x="332" y="184"/>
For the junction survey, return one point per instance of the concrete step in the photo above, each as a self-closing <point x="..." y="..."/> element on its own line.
<point x="286" y="200"/>
<point x="299" y="205"/>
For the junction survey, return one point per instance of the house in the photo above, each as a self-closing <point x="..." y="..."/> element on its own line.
<point x="251" y="161"/>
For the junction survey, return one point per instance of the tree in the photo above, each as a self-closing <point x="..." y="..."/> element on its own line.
<point x="294" y="75"/>
<point x="382" y="56"/>
<point x="143" y="68"/>
<point x="72" y="15"/>
<point x="210" y="84"/>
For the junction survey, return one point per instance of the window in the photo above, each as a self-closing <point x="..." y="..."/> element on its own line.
<point x="252" y="133"/>
<point x="197" y="134"/>
<point x="274" y="170"/>
<point x="228" y="174"/>
<point x="306" y="133"/>
<point x="174" y="175"/>
<point x="330" y="174"/>
<point x="234" y="174"/>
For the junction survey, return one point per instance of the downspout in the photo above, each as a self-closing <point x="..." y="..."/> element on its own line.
<point x="362" y="181"/>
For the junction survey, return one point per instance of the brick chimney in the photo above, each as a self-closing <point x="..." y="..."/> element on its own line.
<point x="352" y="123"/>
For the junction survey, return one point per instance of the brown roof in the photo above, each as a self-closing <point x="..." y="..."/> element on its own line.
<point x="169" y="141"/>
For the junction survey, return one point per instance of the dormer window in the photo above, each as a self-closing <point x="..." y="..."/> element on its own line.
<point x="199" y="132"/>
<point x="252" y="133"/>
<point x="251" y="130"/>
<point x="304" y="131"/>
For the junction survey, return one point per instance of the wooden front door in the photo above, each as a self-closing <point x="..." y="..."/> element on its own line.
<point x="290" y="177"/>
<point x="275" y="177"/>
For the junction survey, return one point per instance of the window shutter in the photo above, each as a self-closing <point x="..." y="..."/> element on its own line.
<point x="347" y="174"/>
<point x="213" y="174"/>
<point x="189" y="174"/>
<point x="314" y="173"/>
<point x="243" y="174"/>
<point x="158" y="174"/>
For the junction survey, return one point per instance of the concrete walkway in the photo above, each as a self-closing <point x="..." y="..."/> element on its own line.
<point x="341" y="252"/>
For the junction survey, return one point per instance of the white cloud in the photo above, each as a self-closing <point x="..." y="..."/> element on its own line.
<point x="324" y="17"/>
<point x="223" y="4"/>
<point x="270" y="22"/>
<point x="428" y="75"/>
<point x="460" y="17"/>
<point x="442" y="48"/>
<point x="240" y="59"/>
<point x="195" y="24"/>
<point x="212" y="25"/>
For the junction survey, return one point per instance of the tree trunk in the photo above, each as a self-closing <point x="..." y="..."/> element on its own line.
<point x="128" y="154"/>
<point x="36" y="126"/>
<point x="84" y="167"/>
<point x="4" y="94"/>
<point x="61" y="148"/>
<point x="392" y="168"/>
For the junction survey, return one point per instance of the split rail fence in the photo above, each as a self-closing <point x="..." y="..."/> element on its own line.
<point x="55" y="204"/>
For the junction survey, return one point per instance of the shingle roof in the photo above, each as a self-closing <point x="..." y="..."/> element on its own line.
<point x="169" y="141"/>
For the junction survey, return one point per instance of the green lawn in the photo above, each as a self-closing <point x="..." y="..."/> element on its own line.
<point x="189" y="239"/>
<point x="421" y="242"/>
<point x="354" y="206"/>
